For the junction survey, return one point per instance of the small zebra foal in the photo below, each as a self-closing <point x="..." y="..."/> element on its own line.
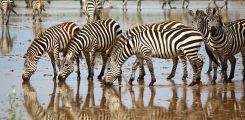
<point x="166" y="44"/>
<point x="53" y="40"/>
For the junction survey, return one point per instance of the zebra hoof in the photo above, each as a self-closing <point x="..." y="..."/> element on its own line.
<point x="130" y="83"/>
<point x="170" y="77"/>
<point x="99" y="77"/>
<point x="152" y="82"/>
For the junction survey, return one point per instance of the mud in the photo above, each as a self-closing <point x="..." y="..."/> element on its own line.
<point x="168" y="99"/>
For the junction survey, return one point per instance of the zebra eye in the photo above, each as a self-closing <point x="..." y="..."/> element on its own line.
<point x="108" y="68"/>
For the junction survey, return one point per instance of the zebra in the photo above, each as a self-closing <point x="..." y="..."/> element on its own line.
<point x="37" y="8"/>
<point x="53" y="40"/>
<point x="94" y="37"/>
<point x="200" y="22"/>
<point x="125" y="2"/>
<point x="226" y="41"/>
<point x="92" y="10"/>
<point x="30" y="2"/>
<point x="166" y="44"/>
<point x="7" y="6"/>
<point x="134" y="31"/>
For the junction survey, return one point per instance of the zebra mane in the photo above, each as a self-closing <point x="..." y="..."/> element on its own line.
<point x="116" y="47"/>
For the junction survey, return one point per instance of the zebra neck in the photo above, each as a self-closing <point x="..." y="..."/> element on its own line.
<point x="127" y="51"/>
<point x="219" y="40"/>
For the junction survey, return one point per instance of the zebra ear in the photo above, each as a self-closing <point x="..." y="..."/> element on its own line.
<point x="191" y="13"/>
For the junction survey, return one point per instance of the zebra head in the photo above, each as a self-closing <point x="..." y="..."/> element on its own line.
<point x="66" y="67"/>
<point x="215" y="23"/>
<point x="198" y="21"/>
<point x="113" y="71"/>
<point x="30" y="67"/>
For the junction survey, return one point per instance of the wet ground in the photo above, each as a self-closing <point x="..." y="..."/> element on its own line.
<point x="43" y="98"/>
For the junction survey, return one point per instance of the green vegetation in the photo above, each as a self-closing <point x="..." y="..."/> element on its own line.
<point x="14" y="106"/>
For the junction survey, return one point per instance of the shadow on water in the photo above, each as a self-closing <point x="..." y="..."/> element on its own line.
<point x="221" y="102"/>
<point x="6" y="42"/>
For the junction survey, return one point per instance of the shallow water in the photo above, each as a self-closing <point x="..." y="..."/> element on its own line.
<point x="168" y="99"/>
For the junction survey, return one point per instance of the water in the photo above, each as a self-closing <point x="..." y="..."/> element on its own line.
<point x="168" y="99"/>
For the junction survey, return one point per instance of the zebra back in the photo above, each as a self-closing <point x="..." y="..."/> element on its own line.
<point x="102" y="33"/>
<point x="59" y="35"/>
<point x="134" y="31"/>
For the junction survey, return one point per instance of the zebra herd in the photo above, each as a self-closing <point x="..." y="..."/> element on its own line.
<point x="166" y="40"/>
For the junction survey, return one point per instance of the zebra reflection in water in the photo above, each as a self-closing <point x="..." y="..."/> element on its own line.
<point x="6" y="42"/>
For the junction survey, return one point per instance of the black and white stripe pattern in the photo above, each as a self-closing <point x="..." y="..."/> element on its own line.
<point x="167" y="44"/>
<point x="94" y="37"/>
<point x="134" y="31"/>
<point x="200" y="22"/>
<point x="53" y="40"/>
<point x="7" y="6"/>
<point x="37" y="8"/>
<point x="92" y="10"/>
<point x="226" y="41"/>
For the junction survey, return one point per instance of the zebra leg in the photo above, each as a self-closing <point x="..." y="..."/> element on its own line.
<point x="125" y="4"/>
<point x="215" y="67"/>
<point x="183" y="59"/>
<point x="232" y="60"/>
<point x="51" y="55"/>
<point x="142" y="70"/>
<point x="78" y="68"/>
<point x="8" y="14"/>
<point x="104" y="58"/>
<point x="87" y="57"/>
<point x="175" y="63"/>
<point x="138" y="5"/>
<point x="197" y="68"/>
<point x="224" y="70"/>
<point x="243" y="63"/>
<point x="148" y="59"/>
<point x="40" y="15"/>
<point x="135" y="66"/>
<point x="210" y="66"/>
<point x="92" y="65"/>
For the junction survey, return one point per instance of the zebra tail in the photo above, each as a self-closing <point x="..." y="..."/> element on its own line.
<point x="211" y="55"/>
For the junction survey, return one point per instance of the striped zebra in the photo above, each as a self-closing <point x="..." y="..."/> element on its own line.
<point x="166" y="44"/>
<point x="200" y="22"/>
<point x="30" y="2"/>
<point x="226" y="41"/>
<point x="134" y="31"/>
<point x="53" y="40"/>
<point x="125" y="2"/>
<point x="7" y="6"/>
<point x="92" y="10"/>
<point x="94" y="37"/>
<point x="37" y="8"/>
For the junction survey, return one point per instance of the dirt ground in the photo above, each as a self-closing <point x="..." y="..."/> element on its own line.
<point x="41" y="97"/>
